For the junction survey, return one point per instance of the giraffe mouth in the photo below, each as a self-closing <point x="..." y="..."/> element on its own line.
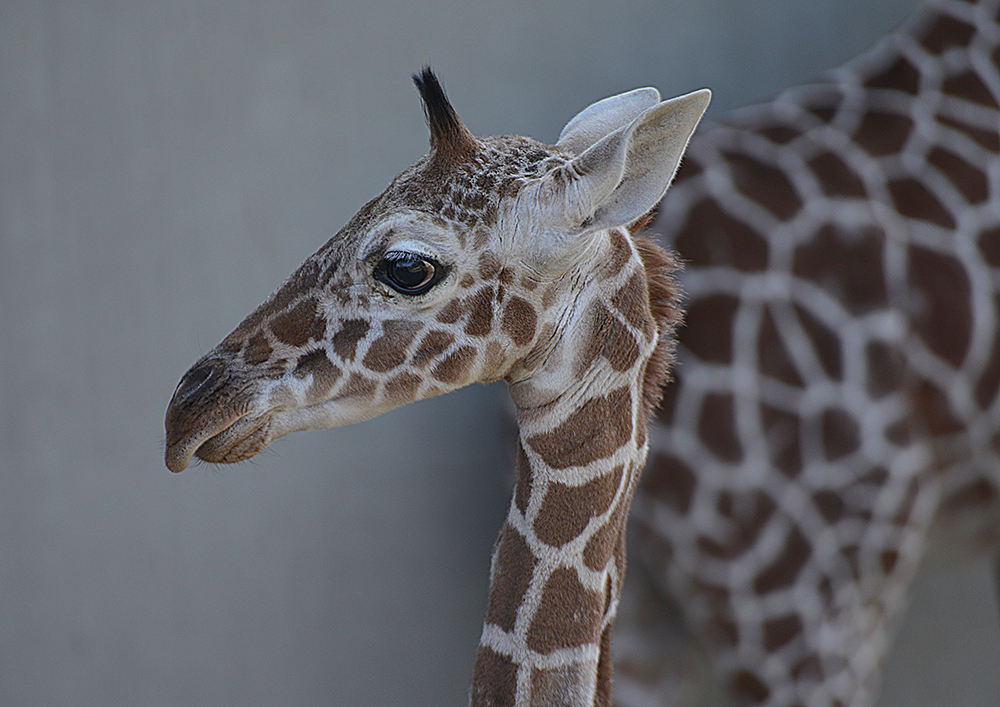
<point x="235" y="439"/>
<point x="211" y="418"/>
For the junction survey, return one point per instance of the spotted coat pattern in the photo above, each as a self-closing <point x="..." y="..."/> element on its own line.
<point x="836" y="410"/>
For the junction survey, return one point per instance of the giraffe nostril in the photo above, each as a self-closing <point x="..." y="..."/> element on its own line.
<point x="201" y="377"/>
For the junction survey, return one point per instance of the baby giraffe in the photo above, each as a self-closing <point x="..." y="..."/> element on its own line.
<point x="490" y="258"/>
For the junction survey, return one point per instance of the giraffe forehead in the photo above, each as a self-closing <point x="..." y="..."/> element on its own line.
<point x="469" y="192"/>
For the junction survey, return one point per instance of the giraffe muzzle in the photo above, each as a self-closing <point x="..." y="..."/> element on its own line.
<point x="207" y="418"/>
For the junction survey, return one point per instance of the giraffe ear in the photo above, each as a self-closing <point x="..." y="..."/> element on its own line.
<point x="613" y="183"/>
<point x="623" y="175"/>
<point x="598" y="119"/>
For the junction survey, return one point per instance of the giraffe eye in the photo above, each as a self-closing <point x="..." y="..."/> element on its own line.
<point x="408" y="273"/>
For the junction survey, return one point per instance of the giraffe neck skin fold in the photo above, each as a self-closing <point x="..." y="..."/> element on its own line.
<point x="559" y="561"/>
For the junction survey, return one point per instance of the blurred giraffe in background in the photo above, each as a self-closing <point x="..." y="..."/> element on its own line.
<point x="836" y="411"/>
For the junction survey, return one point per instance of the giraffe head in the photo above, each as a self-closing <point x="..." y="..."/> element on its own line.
<point x="466" y="268"/>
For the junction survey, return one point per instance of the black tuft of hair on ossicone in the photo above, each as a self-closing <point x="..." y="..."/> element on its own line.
<point x="449" y="138"/>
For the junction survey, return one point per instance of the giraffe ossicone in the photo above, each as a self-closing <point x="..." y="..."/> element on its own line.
<point x="491" y="258"/>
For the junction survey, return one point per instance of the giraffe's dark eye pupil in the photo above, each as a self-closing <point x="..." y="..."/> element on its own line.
<point x="408" y="273"/>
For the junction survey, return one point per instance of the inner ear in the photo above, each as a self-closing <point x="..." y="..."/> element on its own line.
<point x="626" y="173"/>
<point x="604" y="117"/>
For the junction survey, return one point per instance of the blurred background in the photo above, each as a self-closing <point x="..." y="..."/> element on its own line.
<point x="163" y="167"/>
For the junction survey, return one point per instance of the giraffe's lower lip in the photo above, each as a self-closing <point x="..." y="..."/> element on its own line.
<point x="242" y="440"/>
<point x="233" y="440"/>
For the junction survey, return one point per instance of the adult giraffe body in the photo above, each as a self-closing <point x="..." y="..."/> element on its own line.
<point x="836" y="409"/>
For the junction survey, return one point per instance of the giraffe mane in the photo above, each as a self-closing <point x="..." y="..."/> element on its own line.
<point x="450" y="139"/>
<point x="665" y="306"/>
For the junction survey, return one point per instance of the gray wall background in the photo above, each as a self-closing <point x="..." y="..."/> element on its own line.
<point x="163" y="166"/>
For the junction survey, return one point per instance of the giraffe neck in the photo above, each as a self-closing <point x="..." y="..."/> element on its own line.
<point x="559" y="562"/>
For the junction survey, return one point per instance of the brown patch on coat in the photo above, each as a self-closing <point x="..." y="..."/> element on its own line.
<point x="990" y="139"/>
<point x="455" y="366"/>
<point x="621" y="253"/>
<point x="841" y="434"/>
<point x="781" y="431"/>
<point x="607" y="337"/>
<point x="711" y="236"/>
<point x="913" y="200"/>
<point x="830" y="505"/>
<point x="747" y="513"/>
<point x="609" y="539"/>
<point x="944" y="321"/>
<point x="989" y="381"/>
<point x="434" y="344"/>
<point x="972" y="182"/>
<point x="389" y="350"/>
<point x="519" y="321"/>
<point x="594" y="431"/>
<point x="749" y="685"/>
<point x="786" y="567"/>
<point x="257" y="350"/>
<point x="632" y="301"/>
<point x="947" y="32"/>
<point x="989" y="246"/>
<point x="620" y="348"/>
<point x="489" y="265"/>
<point x="324" y="373"/>
<point x="299" y="324"/>
<point x="881" y="134"/>
<point x="494" y="359"/>
<point x="671" y="482"/>
<point x="359" y="386"/>
<point x="452" y="311"/>
<point x="480" y="322"/>
<point x="494" y="679"/>
<point x="345" y="341"/>
<point x="848" y="265"/>
<point x="566" y="510"/>
<point x="717" y="427"/>
<point x="766" y="185"/>
<point x="559" y="686"/>
<point x="826" y="343"/>
<point x="569" y="614"/>
<point x="968" y="86"/>
<point x="885" y="368"/>
<point x="773" y="359"/>
<point x="835" y="177"/>
<point x="901" y="75"/>
<point x="513" y="568"/>
<point x="708" y="331"/>
<point x="403" y="387"/>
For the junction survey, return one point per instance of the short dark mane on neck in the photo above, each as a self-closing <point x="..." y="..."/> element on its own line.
<point x="665" y="305"/>
<point x="449" y="137"/>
